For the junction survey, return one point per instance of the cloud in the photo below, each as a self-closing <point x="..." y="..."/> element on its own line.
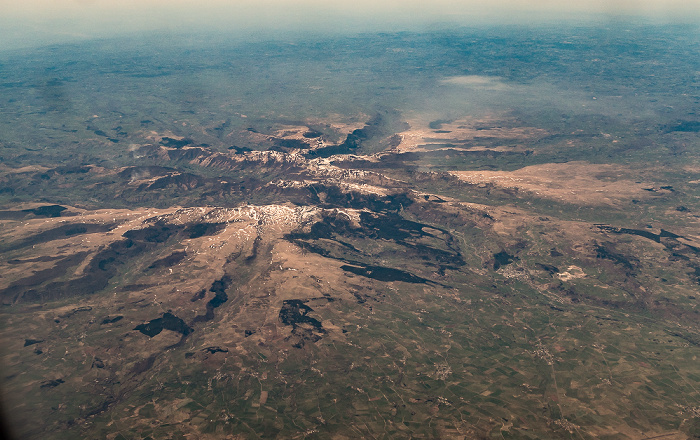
<point x="476" y="82"/>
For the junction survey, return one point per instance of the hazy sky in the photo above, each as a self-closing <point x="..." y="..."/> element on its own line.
<point x="31" y="22"/>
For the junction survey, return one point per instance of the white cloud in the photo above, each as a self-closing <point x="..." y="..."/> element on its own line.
<point x="476" y="82"/>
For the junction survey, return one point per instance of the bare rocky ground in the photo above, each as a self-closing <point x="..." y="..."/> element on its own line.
<point x="379" y="306"/>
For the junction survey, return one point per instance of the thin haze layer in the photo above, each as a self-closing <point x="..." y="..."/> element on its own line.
<point x="36" y="22"/>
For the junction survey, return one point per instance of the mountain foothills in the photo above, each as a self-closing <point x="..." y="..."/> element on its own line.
<point x="276" y="240"/>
